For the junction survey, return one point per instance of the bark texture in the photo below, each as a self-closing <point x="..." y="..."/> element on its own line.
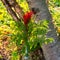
<point x="52" y="50"/>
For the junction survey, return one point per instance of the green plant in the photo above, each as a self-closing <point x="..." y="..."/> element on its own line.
<point x="25" y="38"/>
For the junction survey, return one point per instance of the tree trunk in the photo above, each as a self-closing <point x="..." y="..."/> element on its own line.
<point x="51" y="50"/>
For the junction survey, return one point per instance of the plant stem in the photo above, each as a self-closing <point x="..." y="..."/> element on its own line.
<point x="26" y="57"/>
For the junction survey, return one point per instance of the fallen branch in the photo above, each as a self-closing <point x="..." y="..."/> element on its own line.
<point x="14" y="10"/>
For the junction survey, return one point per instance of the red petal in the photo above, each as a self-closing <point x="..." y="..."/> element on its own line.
<point x="27" y="17"/>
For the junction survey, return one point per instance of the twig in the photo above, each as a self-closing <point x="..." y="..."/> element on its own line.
<point x="10" y="10"/>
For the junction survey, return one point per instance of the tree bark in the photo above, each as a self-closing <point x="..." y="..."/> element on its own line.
<point x="51" y="50"/>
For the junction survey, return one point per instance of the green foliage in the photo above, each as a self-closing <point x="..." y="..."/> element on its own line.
<point x="37" y="34"/>
<point x="14" y="56"/>
<point x="55" y="2"/>
<point x="55" y="11"/>
<point x="5" y="18"/>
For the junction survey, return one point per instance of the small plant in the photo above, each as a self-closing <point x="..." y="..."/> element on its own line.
<point x="25" y="35"/>
<point x="28" y="37"/>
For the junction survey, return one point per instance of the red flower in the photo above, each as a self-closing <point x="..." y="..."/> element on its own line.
<point x="27" y="16"/>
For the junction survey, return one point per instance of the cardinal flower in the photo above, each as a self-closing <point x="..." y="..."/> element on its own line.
<point x="27" y="16"/>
